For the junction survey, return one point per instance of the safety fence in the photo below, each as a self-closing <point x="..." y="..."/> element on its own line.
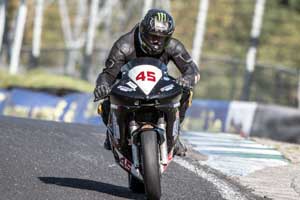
<point x="74" y="107"/>
<point x="244" y="118"/>
<point x="223" y="78"/>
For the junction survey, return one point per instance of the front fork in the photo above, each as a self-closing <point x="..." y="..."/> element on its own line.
<point x="163" y="147"/>
<point x="133" y="126"/>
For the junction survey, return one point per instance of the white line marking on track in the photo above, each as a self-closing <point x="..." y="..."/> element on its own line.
<point x="218" y="139"/>
<point x="239" y="150"/>
<point x="233" y="155"/>
<point x="204" y="143"/>
<point x="213" y="135"/>
<point x="225" y="189"/>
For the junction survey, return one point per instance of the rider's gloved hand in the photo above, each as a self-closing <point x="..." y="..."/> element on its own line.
<point x="101" y="91"/>
<point x="184" y="82"/>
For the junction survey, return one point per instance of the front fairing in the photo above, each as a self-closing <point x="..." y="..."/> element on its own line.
<point x="164" y="90"/>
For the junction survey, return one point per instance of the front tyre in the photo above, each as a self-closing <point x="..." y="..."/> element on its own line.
<point x="150" y="163"/>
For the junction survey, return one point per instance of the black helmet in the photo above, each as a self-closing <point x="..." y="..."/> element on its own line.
<point x="155" y="31"/>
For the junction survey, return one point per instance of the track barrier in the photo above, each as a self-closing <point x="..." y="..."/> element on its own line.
<point x="244" y="118"/>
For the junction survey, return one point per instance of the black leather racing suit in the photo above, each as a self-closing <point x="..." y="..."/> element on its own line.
<point x="128" y="47"/>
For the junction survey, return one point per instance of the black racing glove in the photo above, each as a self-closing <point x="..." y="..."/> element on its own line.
<point x="184" y="82"/>
<point x="101" y="91"/>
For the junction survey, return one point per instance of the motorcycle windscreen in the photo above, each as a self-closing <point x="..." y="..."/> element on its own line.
<point x="145" y="76"/>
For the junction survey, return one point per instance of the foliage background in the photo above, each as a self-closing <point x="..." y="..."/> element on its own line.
<point x="224" y="51"/>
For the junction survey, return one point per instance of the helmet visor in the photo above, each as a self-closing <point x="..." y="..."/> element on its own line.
<point x="155" y="41"/>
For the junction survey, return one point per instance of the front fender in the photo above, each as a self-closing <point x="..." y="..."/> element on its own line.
<point x="148" y="127"/>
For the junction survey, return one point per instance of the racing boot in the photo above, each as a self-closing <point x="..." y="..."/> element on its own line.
<point x="179" y="148"/>
<point x="106" y="144"/>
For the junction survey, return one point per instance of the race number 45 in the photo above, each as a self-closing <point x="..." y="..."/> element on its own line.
<point x="149" y="76"/>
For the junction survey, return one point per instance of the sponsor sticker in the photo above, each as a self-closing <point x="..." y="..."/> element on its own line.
<point x="125" y="89"/>
<point x="167" y="88"/>
<point x="132" y="85"/>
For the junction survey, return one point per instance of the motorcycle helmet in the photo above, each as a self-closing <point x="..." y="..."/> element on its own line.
<point x="155" y="31"/>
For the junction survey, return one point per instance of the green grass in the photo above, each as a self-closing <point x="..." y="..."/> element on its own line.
<point x="40" y="79"/>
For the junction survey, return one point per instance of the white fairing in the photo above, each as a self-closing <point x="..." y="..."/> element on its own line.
<point x="145" y="76"/>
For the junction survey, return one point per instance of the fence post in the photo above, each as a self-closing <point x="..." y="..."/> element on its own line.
<point x="2" y="21"/>
<point x="37" y="32"/>
<point x="147" y="5"/>
<point x="68" y="36"/>
<point x="94" y="9"/>
<point x="251" y="55"/>
<point x="17" y="43"/>
<point x="200" y="30"/>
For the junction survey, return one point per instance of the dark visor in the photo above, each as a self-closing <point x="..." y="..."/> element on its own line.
<point x="155" y="39"/>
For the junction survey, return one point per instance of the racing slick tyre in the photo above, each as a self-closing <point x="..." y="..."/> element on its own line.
<point x="150" y="164"/>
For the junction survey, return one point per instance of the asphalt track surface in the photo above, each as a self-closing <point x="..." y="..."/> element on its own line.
<point x="49" y="160"/>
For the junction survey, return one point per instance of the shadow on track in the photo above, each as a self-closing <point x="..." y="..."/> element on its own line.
<point x="92" y="185"/>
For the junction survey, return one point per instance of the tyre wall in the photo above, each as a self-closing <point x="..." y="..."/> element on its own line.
<point x="277" y="123"/>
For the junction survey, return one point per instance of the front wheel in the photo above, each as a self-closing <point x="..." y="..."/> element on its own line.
<point x="150" y="163"/>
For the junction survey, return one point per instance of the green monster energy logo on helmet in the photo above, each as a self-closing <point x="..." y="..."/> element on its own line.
<point x="162" y="17"/>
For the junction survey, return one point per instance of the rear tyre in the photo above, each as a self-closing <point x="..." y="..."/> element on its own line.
<point x="150" y="163"/>
<point x="135" y="185"/>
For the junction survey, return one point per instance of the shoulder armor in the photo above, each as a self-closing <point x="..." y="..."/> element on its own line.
<point x="177" y="49"/>
<point x="175" y="46"/>
<point x="126" y="43"/>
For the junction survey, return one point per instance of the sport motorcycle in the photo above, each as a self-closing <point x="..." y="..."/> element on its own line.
<point x="143" y="123"/>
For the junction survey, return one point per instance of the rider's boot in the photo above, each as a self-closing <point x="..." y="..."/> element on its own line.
<point x="179" y="148"/>
<point x="106" y="144"/>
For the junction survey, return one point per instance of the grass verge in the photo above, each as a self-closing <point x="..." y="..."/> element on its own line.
<point x="39" y="79"/>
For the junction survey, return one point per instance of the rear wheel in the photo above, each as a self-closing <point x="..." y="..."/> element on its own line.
<point x="135" y="185"/>
<point x="150" y="164"/>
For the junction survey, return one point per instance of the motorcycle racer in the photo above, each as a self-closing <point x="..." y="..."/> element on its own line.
<point x="152" y="37"/>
